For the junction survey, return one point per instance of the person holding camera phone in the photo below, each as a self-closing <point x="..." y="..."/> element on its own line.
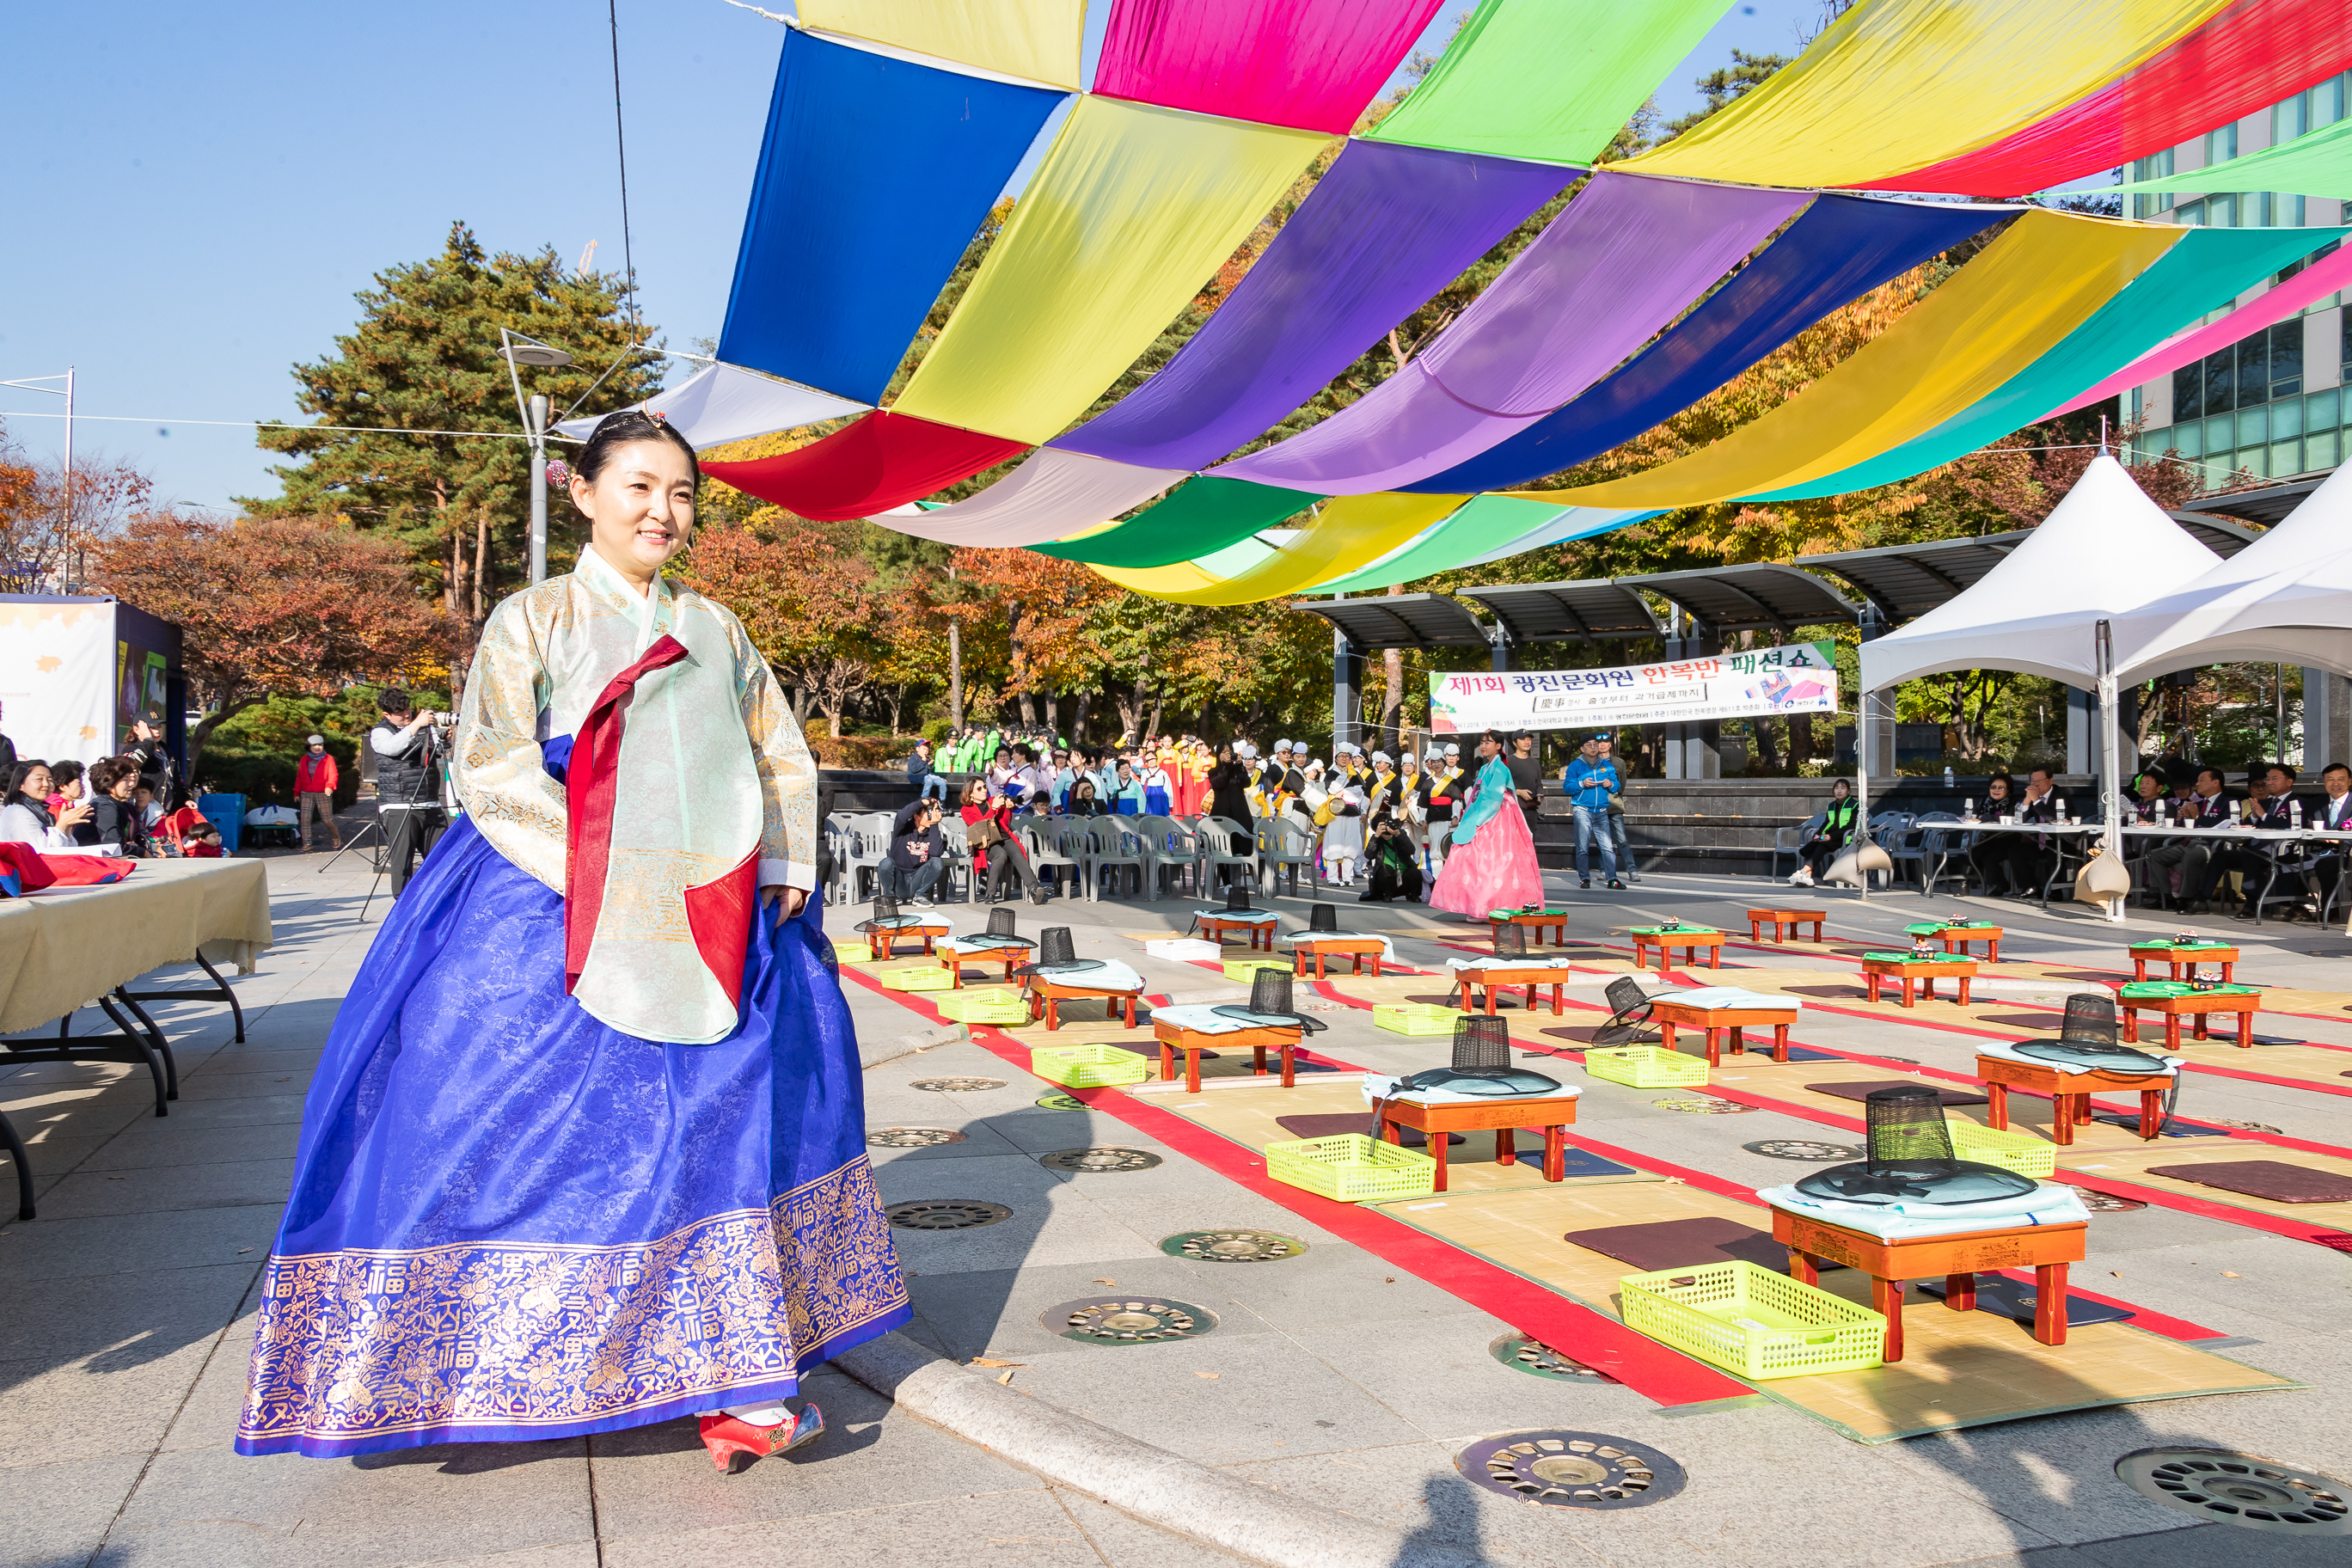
<point x="408" y="748"/>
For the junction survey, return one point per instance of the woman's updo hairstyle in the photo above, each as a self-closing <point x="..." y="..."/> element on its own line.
<point x="615" y="431"/>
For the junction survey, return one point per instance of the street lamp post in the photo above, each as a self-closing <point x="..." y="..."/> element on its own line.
<point x="517" y="350"/>
<point x="65" y="519"/>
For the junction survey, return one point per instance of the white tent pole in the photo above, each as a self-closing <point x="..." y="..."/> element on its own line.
<point x="2111" y="794"/>
<point x="1862" y="787"/>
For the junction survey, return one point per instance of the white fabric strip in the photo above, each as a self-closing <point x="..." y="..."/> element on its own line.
<point x="723" y="403"/>
<point x="1052" y="494"/>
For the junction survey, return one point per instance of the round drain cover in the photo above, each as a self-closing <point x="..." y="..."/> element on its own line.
<point x="1572" y="1469"/>
<point x="945" y="1213"/>
<point x="1802" y="1149"/>
<point x="1127" y="1320"/>
<point x="1060" y="1102"/>
<point x="2222" y="1488"/>
<point x="1099" y="1160"/>
<point x="1702" y="1105"/>
<point x="1535" y="1356"/>
<point x="957" y="1085"/>
<point x="2106" y="1203"/>
<point x="911" y="1137"/>
<point x="1233" y="1246"/>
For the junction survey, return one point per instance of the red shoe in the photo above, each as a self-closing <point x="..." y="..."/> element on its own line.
<point x="727" y="1435"/>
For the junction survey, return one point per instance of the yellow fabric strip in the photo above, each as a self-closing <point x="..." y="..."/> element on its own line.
<point x="1040" y="40"/>
<point x="1350" y="529"/>
<point x="1134" y="207"/>
<point x="1998" y="314"/>
<point x="1897" y="85"/>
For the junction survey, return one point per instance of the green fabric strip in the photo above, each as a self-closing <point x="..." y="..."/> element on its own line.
<point x="1197" y="518"/>
<point x="2319" y="164"/>
<point x="1486" y="525"/>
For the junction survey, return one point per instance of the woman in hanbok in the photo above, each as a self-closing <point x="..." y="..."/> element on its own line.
<point x="585" y="1148"/>
<point x="1492" y="865"/>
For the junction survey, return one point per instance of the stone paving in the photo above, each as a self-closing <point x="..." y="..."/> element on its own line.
<point x="1334" y="1376"/>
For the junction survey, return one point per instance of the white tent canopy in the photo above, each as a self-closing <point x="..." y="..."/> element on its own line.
<point x="2103" y="550"/>
<point x="723" y="403"/>
<point x="2285" y="599"/>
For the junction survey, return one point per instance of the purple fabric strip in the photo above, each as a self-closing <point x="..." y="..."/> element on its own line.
<point x="1621" y="260"/>
<point x="1386" y="227"/>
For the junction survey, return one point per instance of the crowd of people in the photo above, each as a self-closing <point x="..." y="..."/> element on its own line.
<point x="127" y="806"/>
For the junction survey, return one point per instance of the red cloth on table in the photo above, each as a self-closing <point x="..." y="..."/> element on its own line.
<point x="24" y="869"/>
<point x="881" y="461"/>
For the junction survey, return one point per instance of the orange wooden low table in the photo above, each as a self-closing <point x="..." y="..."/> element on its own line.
<point x="1716" y="1022"/>
<point x="1320" y="948"/>
<point x="1925" y="972"/>
<point x="1692" y="942"/>
<point x="2046" y="1249"/>
<point x="1010" y="957"/>
<point x="1174" y="1037"/>
<point x="2182" y="962"/>
<point x="1552" y="1114"/>
<point x="1498" y="977"/>
<point x="2070" y="1093"/>
<point x="1794" y="920"/>
<point x="1259" y="932"/>
<point x="1047" y="995"/>
<point x="886" y="941"/>
<point x="2196" y="1005"/>
<point x="1555" y="919"/>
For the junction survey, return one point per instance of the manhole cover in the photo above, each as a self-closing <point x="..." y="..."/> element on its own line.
<point x="957" y="1085"/>
<point x="1233" y="1246"/>
<point x="1702" y="1105"/>
<point x="1572" y="1469"/>
<point x="1534" y="1356"/>
<point x="2243" y="1126"/>
<point x="911" y="1137"/>
<point x="945" y="1213"/>
<point x="1127" y="1320"/>
<point x="1099" y="1160"/>
<point x="1060" y="1102"/>
<point x="2106" y="1203"/>
<point x="1802" y="1149"/>
<point x="2222" y="1488"/>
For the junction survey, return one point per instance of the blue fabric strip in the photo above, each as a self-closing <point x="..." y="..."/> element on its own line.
<point x="874" y="177"/>
<point x="1842" y="247"/>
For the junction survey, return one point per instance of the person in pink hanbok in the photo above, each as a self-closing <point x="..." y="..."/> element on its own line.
<point x="1493" y="863"/>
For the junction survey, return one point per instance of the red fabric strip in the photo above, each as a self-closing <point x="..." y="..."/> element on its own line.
<point x="719" y="914"/>
<point x="2247" y="58"/>
<point x="881" y="461"/>
<point x="590" y="781"/>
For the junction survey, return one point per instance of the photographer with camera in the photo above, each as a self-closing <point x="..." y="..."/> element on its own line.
<point x="408" y="746"/>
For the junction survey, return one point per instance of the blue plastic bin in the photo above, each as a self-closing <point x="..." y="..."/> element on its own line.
<point x="226" y="812"/>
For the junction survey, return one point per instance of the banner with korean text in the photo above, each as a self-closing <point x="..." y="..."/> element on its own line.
<point x="1798" y="678"/>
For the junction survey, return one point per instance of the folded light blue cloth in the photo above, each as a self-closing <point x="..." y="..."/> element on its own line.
<point x="1378" y="1086"/>
<point x="2010" y="1053"/>
<point x="1110" y="975"/>
<point x="2048" y="1203"/>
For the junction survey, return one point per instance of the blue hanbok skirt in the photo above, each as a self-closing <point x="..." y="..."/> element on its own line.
<point x="512" y="1222"/>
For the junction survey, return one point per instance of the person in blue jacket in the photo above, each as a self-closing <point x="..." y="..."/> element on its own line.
<point x="1589" y="781"/>
<point x="927" y="780"/>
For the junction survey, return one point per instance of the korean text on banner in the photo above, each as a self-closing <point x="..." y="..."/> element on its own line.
<point x="1797" y="677"/>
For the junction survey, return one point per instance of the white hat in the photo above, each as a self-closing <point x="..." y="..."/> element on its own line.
<point x="1382" y="757"/>
<point x="1452" y="750"/>
<point x="1245" y="749"/>
<point x="1282" y="745"/>
<point x="317" y="741"/>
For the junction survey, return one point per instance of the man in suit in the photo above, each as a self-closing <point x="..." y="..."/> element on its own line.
<point x="2266" y="810"/>
<point x="2210" y="804"/>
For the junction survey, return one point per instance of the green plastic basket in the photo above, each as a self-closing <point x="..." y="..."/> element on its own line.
<point x="854" y="952"/>
<point x="1647" y="1066"/>
<point x="1753" y="1323"/>
<point x="2023" y="1152"/>
<point x="1245" y="969"/>
<point x="985" y="1005"/>
<point x="1352" y="1168"/>
<point x="1088" y="1066"/>
<point x="1415" y="1017"/>
<point x="915" y="977"/>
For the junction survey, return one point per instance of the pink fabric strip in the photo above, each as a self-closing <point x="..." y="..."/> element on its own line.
<point x="2316" y="281"/>
<point x="1313" y="64"/>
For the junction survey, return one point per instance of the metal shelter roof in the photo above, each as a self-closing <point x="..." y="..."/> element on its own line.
<point x="1586" y="610"/>
<point x="1904" y="581"/>
<point x="2263" y="504"/>
<point x="2221" y="535"/>
<point x="1759" y="597"/>
<point x="1401" y="620"/>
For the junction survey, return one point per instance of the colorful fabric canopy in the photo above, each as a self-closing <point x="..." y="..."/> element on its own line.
<point x="1384" y="229"/>
<point x="2025" y="291"/>
<point x="2207" y="269"/>
<point x="2316" y="281"/>
<point x="1842" y="247"/>
<point x="1314" y="64"/>
<point x="1133" y="207"/>
<point x="883" y="460"/>
<point x="861" y="146"/>
<point x="2319" y="164"/>
<point x="1486" y="523"/>
<point x="1351" y="527"/>
<point x="1555" y="80"/>
<point x="1573" y="522"/>
<point x="1199" y="517"/>
<point x="1051" y="494"/>
<point x="1039" y="40"/>
<point x="721" y="403"/>
<point x="1897" y="85"/>
<point x="2248" y="57"/>
<point x="1622" y="259"/>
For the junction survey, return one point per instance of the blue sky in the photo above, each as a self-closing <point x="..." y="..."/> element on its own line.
<point x="197" y="191"/>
